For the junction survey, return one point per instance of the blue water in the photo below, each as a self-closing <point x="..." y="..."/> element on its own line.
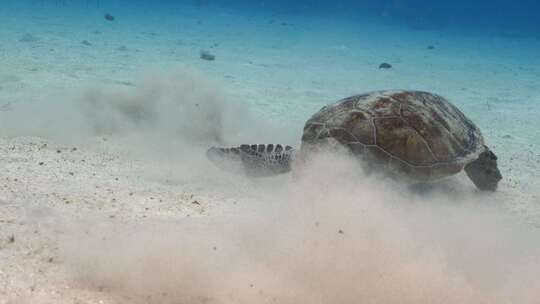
<point x="504" y="16"/>
<point x="521" y="15"/>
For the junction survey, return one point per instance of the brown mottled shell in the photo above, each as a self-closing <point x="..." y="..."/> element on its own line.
<point x="420" y="134"/>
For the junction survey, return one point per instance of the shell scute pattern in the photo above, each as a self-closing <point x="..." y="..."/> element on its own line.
<point x="397" y="138"/>
<point x="449" y="133"/>
<point x="385" y="107"/>
<point x="361" y="132"/>
<point x="417" y="132"/>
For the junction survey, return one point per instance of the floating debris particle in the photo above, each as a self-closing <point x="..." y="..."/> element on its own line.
<point x="28" y="38"/>
<point x="205" y="55"/>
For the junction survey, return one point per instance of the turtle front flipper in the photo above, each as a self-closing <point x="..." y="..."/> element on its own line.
<point x="484" y="171"/>
<point x="256" y="160"/>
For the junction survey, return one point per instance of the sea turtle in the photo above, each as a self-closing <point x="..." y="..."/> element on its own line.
<point x="413" y="134"/>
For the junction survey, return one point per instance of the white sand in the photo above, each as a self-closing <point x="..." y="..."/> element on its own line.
<point x="127" y="173"/>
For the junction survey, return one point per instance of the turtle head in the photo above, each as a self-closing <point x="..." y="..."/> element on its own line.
<point x="484" y="172"/>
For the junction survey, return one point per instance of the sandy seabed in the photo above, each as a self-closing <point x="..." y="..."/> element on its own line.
<point x="106" y="195"/>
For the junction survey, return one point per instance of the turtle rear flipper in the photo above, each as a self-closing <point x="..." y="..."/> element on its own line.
<point x="256" y="160"/>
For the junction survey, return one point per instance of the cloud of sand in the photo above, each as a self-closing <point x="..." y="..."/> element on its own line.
<point x="171" y="117"/>
<point x="162" y="106"/>
<point x="331" y="235"/>
<point x="337" y="237"/>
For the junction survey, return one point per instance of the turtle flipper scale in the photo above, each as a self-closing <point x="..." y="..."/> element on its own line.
<point x="257" y="160"/>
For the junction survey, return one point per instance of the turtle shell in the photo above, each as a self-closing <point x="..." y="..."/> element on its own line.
<point x="419" y="134"/>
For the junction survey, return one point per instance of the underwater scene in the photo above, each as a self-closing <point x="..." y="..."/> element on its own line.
<point x="234" y="151"/>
